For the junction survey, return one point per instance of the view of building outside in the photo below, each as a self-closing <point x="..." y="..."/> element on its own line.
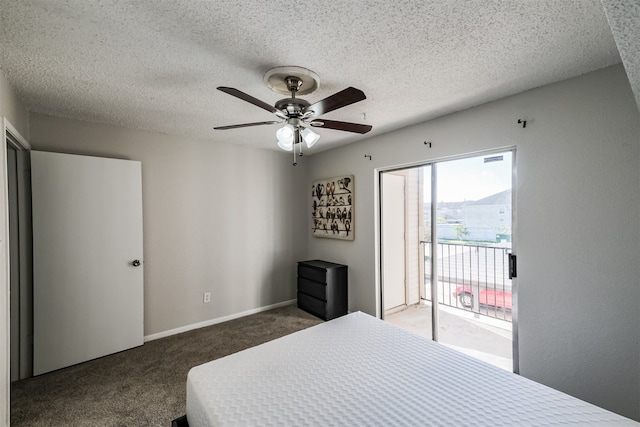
<point x="473" y="201"/>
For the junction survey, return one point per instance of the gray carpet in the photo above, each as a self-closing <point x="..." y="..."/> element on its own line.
<point x="144" y="386"/>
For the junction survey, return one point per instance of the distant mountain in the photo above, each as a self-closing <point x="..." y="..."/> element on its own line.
<point x="502" y="198"/>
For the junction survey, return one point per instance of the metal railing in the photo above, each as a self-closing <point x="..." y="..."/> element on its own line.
<point x="473" y="278"/>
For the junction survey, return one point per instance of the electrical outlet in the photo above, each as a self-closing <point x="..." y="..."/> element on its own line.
<point x="207" y="297"/>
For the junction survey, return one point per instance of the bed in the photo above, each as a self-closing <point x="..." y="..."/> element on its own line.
<point x="357" y="370"/>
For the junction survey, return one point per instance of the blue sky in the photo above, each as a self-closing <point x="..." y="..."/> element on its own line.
<point x="470" y="179"/>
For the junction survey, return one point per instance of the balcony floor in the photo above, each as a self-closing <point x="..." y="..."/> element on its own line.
<point x="479" y="336"/>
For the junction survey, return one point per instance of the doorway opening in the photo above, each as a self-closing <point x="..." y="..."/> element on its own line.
<point x="20" y="255"/>
<point x="446" y="236"/>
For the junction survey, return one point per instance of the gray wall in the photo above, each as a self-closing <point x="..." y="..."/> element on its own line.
<point x="577" y="231"/>
<point x="218" y="218"/>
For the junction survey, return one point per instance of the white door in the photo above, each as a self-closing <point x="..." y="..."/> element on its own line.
<point x="393" y="242"/>
<point x="87" y="257"/>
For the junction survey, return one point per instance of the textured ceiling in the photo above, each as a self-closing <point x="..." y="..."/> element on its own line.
<point x="624" y="20"/>
<point x="155" y="65"/>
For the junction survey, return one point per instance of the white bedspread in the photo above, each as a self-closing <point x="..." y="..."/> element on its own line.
<point x="360" y="371"/>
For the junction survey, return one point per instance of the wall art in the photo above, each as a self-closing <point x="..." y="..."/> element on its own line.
<point x="332" y="202"/>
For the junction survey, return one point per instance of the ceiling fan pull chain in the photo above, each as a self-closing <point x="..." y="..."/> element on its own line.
<point x="295" y="163"/>
<point x="300" y="140"/>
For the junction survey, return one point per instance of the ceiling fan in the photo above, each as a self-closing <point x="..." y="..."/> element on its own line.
<point x="296" y="112"/>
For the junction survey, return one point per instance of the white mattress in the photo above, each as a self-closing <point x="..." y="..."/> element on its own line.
<point x="357" y="370"/>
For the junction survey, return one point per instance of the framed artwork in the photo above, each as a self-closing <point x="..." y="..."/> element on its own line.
<point x="332" y="202"/>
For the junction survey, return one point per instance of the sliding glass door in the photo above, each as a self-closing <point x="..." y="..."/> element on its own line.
<point x="455" y="235"/>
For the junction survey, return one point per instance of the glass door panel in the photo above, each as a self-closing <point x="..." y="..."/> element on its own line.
<point x="457" y="237"/>
<point x="473" y="241"/>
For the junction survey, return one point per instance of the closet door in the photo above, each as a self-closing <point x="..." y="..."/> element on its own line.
<point x="87" y="254"/>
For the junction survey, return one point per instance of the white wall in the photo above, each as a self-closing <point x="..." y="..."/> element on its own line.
<point x="10" y="107"/>
<point x="218" y="218"/>
<point x="577" y="230"/>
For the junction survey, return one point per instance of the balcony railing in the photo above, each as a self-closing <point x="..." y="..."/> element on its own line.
<point x="473" y="278"/>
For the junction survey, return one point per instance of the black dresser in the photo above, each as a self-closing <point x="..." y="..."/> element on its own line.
<point x="322" y="288"/>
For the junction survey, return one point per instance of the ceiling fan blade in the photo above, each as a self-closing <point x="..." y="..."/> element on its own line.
<point x="341" y="99"/>
<point x="250" y="99"/>
<point x="244" y="125"/>
<point x="346" y="126"/>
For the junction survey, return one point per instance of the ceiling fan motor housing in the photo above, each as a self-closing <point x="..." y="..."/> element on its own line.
<point x="295" y="107"/>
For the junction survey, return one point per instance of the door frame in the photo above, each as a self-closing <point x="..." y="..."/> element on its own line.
<point x="5" y="332"/>
<point x="378" y="237"/>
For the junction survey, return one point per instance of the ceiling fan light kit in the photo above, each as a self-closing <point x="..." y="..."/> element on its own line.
<point x="309" y="137"/>
<point x="296" y="112"/>
<point x="287" y="133"/>
<point x="285" y="137"/>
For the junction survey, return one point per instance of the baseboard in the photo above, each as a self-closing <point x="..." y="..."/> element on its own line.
<point x="216" y="321"/>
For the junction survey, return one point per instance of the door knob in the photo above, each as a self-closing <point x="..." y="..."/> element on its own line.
<point x="136" y="263"/>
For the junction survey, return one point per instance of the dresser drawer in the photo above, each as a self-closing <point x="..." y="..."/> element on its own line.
<point x="312" y="305"/>
<point x="315" y="274"/>
<point x="315" y="289"/>
<point x="322" y="288"/>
